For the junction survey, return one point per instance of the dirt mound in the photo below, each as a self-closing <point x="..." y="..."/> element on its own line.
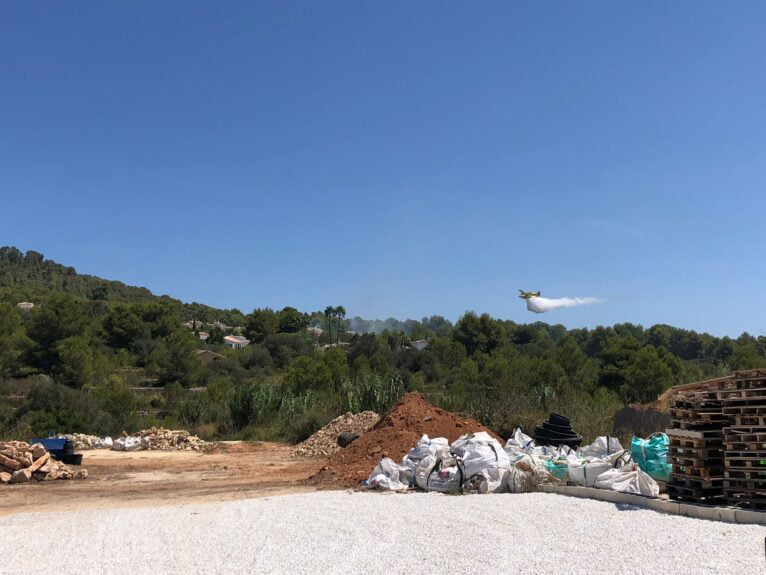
<point x="393" y="436"/>
<point x="325" y="441"/>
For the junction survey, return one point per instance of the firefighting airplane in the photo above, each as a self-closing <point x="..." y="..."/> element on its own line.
<point x="528" y="294"/>
<point x="533" y="301"/>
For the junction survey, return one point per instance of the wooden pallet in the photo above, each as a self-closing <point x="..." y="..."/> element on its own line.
<point x="700" y="473"/>
<point x="751" y="475"/>
<point x="746" y="493"/>
<point x="697" y="425"/>
<point x="752" y="454"/>
<point x="748" y="420"/>
<point x="697" y="462"/>
<point x="745" y="463"/>
<point x="741" y="393"/>
<point x="744" y="430"/>
<point x="697" y="404"/>
<point x="751" y="377"/>
<point x="746" y="433"/>
<point x="707" y="414"/>
<point x="682" y="493"/>
<point x="744" y="410"/>
<point x="744" y="501"/>
<point x="713" y="434"/>
<point x="734" y="484"/>
<point x="687" y="481"/>
<point x="738" y="446"/>
<point x="691" y="443"/>
<point x="695" y="452"/>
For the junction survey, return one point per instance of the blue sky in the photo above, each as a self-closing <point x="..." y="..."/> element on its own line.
<point x="402" y="159"/>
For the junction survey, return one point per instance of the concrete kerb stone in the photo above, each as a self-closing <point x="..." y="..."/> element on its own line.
<point x="725" y="514"/>
<point x="686" y="510"/>
<point x="747" y="516"/>
<point x="664" y="505"/>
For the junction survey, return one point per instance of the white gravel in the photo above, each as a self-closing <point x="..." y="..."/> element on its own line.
<point x="345" y="532"/>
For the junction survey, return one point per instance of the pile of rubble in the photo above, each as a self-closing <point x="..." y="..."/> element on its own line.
<point x="21" y="462"/>
<point x="325" y="441"/>
<point x="161" y="439"/>
<point x="393" y="436"/>
<point x="478" y="463"/>
<point x="84" y="441"/>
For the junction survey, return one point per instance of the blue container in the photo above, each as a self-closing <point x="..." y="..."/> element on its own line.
<point x="54" y="445"/>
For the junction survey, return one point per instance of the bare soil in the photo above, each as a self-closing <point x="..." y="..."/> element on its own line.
<point x="236" y="470"/>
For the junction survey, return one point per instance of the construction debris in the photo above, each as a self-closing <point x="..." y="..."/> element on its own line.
<point x="393" y="436"/>
<point x="477" y="463"/>
<point x="21" y="462"/>
<point x="325" y="441"/>
<point x="83" y="441"/>
<point x="161" y="439"/>
<point x="468" y="459"/>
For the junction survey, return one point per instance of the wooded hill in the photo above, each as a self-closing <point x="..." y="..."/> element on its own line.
<point x="30" y="277"/>
<point x="69" y="363"/>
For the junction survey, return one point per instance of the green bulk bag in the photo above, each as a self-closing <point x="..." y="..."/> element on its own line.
<point x="651" y="455"/>
<point x="559" y="469"/>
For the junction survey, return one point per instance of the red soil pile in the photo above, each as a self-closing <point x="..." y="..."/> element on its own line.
<point x="394" y="435"/>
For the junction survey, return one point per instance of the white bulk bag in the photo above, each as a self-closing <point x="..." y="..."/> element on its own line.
<point x="445" y="479"/>
<point x="423" y="470"/>
<point x="425" y="447"/>
<point x="104" y="443"/>
<point x="129" y="444"/>
<point x="517" y="480"/>
<point x="432" y="472"/>
<point x="586" y="472"/>
<point x="480" y="451"/>
<point x="628" y="479"/>
<point x="385" y="476"/>
<point x="489" y="480"/>
<point x="619" y="458"/>
<point x="519" y="441"/>
<point x="602" y="447"/>
<point x="479" y="457"/>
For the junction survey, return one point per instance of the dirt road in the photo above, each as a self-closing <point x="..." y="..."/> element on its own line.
<point x="236" y="470"/>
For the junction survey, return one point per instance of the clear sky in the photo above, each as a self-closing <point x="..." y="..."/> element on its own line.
<point x="399" y="158"/>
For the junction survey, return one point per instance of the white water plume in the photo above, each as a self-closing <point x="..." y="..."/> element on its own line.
<point x="543" y="304"/>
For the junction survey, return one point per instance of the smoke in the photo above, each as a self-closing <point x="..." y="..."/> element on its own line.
<point x="544" y="304"/>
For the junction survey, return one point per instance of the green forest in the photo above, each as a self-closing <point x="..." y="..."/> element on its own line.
<point x="98" y="356"/>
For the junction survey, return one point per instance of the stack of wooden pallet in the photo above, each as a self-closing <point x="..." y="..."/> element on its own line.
<point x="697" y="441"/>
<point x="745" y="440"/>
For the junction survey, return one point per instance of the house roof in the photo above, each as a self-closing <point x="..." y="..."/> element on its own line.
<point x="236" y="339"/>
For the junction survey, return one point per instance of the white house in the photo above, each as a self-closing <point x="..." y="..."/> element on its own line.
<point x="420" y="344"/>
<point x="25" y="305"/>
<point x="235" y="341"/>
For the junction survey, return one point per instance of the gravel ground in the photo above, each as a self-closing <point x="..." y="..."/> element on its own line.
<point x="345" y="532"/>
